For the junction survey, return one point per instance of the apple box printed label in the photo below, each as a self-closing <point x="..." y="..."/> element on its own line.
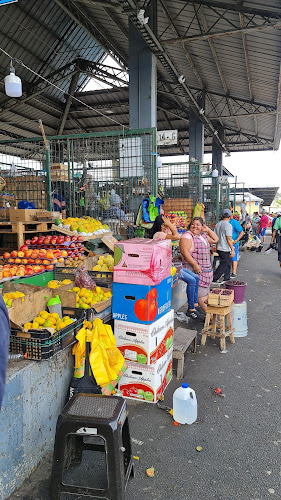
<point x="149" y="342"/>
<point x="130" y="355"/>
<point x="140" y="303"/>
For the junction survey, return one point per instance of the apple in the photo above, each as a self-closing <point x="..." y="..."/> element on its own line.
<point x="38" y="261"/>
<point x="46" y="262"/>
<point x="67" y="238"/>
<point x="7" y="274"/>
<point x="14" y="253"/>
<point x="53" y="241"/>
<point x="6" y="255"/>
<point x="49" y="255"/>
<point x="27" y="242"/>
<point x="33" y="242"/>
<point x="20" y="254"/>
<point x="35" y="238"/>
<point x="24" y="261"/>
<point x="61" y="259"/>
<point x="13" y="271"/>
<point x="79" y="238"/>
<point x="140" y="309"/>
<point x="23" y="248"/>
<point x="41" y="240"/>
<point x="50" y="267"/>
<point x="78" y="244"/>
<point x="30" y="261"/>
<point x="34" y="255"/>
<point x="46" y="241"/>
<point x="42" y="255"/>
<point x="57" y="253"/>
<point x="60" y="240"/>
<point x="11" y="260"/>
<point x="64" y="253"/>
<point x="28" y="253"/>
<point x="72" y="245"/>
<point x="29" y="272"/>
<point x="152" y="295"/>
<point x="69" y="253"/>
<point x="17" y="261"/>
<point x="73" y="238"/>
<point x="42" y="267"/>
<point x="151" y="310"/>
<point x="20" y="272"/>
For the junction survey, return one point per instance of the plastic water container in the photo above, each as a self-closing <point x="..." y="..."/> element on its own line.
<point x="54" y="306"/>
<point x="239" y="319"/>
<point x="184" y="405"/>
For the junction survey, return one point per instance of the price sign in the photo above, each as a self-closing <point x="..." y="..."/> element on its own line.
<point x="167" y="137"/>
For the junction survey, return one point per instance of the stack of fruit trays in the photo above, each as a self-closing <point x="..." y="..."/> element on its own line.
<point x="16" y="271"/>
<point x="46" y="251"/>
<point x="85" y="226"/>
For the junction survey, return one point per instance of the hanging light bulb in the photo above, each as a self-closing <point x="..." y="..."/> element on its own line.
<point x="159" y="161"/>
<point x="13" y="86"/>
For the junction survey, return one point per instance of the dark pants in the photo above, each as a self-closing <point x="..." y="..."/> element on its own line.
<point x="224" y="266"/>
<point x="278" y="241"/>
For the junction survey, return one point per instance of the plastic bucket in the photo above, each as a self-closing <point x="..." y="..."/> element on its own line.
<point x="239" y="290"/>
<point x="239" y="319"/>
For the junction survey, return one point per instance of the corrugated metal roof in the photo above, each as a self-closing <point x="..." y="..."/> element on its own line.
<point x="229" y="51"/>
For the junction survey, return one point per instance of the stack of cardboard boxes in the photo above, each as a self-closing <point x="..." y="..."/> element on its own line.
<point x="143" y="319"/>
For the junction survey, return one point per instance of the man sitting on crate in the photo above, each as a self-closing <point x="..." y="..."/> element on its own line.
<point x="4" y="346"/>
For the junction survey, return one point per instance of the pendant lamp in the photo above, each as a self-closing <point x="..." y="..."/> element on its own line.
<point x="13" y="87"/>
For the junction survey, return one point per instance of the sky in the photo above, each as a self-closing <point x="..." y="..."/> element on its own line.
<point x="255" y="169"/>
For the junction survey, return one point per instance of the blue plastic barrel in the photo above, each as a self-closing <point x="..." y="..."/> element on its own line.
<point x="239" y="319"/>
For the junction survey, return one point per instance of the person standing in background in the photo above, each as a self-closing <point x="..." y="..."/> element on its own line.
<point x="243" y="210"/>
<point x="4" y="346"/>
<point x="263" y="225"/>
<point x="223" y="230"/>
<point x="255" y="223"/>
<point x="237" y="234"/>
<point x="276" y="234"/>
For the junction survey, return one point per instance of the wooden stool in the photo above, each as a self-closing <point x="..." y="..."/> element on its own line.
<point x="218" y="329"/>
<point x="182" y="340"/>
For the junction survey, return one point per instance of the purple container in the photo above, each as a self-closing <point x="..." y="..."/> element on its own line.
<point x="239" y="288"/>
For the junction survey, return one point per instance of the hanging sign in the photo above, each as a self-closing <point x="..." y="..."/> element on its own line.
<point x="5" y="2"/>
<point x="167" y="137"/>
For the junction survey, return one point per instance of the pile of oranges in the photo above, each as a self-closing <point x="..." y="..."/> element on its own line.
<point x="48" y="320"/>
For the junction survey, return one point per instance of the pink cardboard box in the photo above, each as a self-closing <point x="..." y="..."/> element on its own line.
<point x="147" y="382"/>
<point x="145" y="344"/>
<point x="142" y="261"/>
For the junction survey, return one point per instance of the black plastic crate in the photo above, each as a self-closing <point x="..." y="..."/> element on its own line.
<point x="62" y="273"/>
<point x="38" y="345"/>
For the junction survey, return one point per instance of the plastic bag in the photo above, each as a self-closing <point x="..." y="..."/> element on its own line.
<point x="83" y="279"/>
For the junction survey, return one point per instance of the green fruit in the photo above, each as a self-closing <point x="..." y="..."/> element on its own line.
<point x="118" y="252"/>
<point x="141" y="358"/>
<point x="57" y="222"/>
<point x="167" y="343"/>
<point x="140" y="392"/>
<point x="148" y="396"/>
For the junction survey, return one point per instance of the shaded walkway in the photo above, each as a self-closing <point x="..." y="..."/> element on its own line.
<point x="240" y="434"/>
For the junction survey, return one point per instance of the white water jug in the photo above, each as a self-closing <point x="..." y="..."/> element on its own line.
<point x="184" y="405"/>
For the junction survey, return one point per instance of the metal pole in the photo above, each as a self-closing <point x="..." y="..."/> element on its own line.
<point x="73" y="187"/>
<point x="48" y="178"/>
<point x="234" y="197"/>
<point x="69" y="178"/>
<point x="217" y="200"/>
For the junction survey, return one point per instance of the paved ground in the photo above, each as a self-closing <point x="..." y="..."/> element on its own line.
<point x="240" y="434"/>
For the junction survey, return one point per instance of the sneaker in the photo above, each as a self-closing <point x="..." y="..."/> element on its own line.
<point x="194" y="315"/>
<point x="233" y="275"/>
<point x="200" y="311"/>
<point x="259" y="249"/>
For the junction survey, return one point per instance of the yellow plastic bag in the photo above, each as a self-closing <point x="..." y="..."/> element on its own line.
<point x="199" y="210"/>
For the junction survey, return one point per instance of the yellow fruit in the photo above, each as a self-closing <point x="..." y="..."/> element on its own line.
<point x="55" y="315"/>
<point x="98" y="289"/>
<point x="27" y="326"/>
<point x="44" y="314"/>
<point x="61" y="325"/>
<point x="76" y="289"/>
<point x="35" y="325"/>
<point x="40" y="320"/>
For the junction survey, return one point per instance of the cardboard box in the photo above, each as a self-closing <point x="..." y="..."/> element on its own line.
<point x="141" y="303"/>
<point x="147" y="382"/>
<point x="4" y="213"/>
<point x="26" y="215"/>
<point x="7" y="200"/>
<point x="145" y="344"/>
<point x="20" y="303"/>
<point x="142" y="261"/>
<point x="59" y="172"/>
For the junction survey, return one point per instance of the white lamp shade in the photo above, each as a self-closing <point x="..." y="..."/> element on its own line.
<point x="215" y="172"/>
<point x="159" y="161"/>
<point x="13" y="87"/>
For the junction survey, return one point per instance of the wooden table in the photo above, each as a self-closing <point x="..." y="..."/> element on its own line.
<point x="21" y="229"/>
<point x="182" y="340"/>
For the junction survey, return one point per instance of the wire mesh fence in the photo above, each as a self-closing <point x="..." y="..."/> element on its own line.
<point x="105" y="176"/>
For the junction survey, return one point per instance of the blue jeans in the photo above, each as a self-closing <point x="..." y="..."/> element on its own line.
<point x="192" y="281"/>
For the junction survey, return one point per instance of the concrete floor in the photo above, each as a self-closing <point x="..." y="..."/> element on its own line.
<point x="240" y="434"/>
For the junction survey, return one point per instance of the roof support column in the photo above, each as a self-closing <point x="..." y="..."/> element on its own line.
<point x="142" y="77"/>
<point x="196" y="137"/>
<point x="217" y="150"/>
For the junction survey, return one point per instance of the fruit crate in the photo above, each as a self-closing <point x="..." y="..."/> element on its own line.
<point x="38" y="345"/>
<point x="103" y="279"/>
<point x="220" y="298"/>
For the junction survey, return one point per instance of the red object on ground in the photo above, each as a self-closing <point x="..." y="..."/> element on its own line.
<point x="218" y="390"/>
<point x="176" y="423"/>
